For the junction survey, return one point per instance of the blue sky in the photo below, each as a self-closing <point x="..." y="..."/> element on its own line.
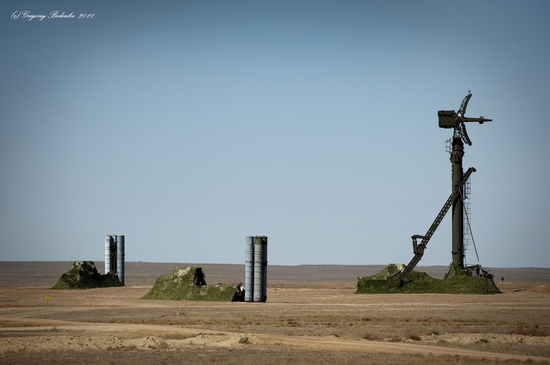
<point x="188" y="125"/>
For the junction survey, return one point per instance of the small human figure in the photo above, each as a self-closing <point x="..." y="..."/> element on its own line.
<point x="502" y="280"/>
<point x="239" y="293"/>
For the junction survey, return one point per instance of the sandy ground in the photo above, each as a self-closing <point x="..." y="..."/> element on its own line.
<point x="319" y="320"/>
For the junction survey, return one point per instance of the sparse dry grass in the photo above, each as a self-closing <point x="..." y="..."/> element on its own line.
<point x="244" y="356"/>
<point x="531" y="331"/>
<point x="326" y="309"/>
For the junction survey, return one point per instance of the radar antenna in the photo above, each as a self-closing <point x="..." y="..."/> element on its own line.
<point x="456" y="120"/>
<point x="460" y="131"/>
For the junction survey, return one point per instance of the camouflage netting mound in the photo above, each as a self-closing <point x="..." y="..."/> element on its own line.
<point x="84" y="275"/>
<point x="456" y="281"/>
<point x="189" y="284"/>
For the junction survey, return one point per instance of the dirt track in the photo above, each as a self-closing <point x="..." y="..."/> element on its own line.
<point x="215" y="338"/>
<point x="311" y="323"/>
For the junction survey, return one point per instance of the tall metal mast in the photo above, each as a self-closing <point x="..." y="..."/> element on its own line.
<point x="456" y="120"/>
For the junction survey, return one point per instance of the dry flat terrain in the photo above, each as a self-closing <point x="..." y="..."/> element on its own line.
<point x="312" y="316"/>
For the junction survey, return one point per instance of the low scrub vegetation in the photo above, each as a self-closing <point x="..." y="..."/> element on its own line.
<point x="181" y="284"/>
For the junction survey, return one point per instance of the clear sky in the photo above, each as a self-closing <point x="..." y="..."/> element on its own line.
<point x="189" y="125"/>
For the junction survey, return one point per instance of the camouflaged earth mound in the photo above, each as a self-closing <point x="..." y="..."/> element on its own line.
<point x="189" y="284"/>
<point x="456" y="281"/>
<point x="84" y="275"/>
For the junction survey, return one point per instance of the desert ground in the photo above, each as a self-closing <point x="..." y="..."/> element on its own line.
<point x="312" y="316"/>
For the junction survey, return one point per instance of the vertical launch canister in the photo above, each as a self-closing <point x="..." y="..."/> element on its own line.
<point x="249" y="269"/>
<point x="255" y="269"/>
<point x="120" y="257"/>
<point x="108" y="244"/>
<point x="115" y="256"/>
